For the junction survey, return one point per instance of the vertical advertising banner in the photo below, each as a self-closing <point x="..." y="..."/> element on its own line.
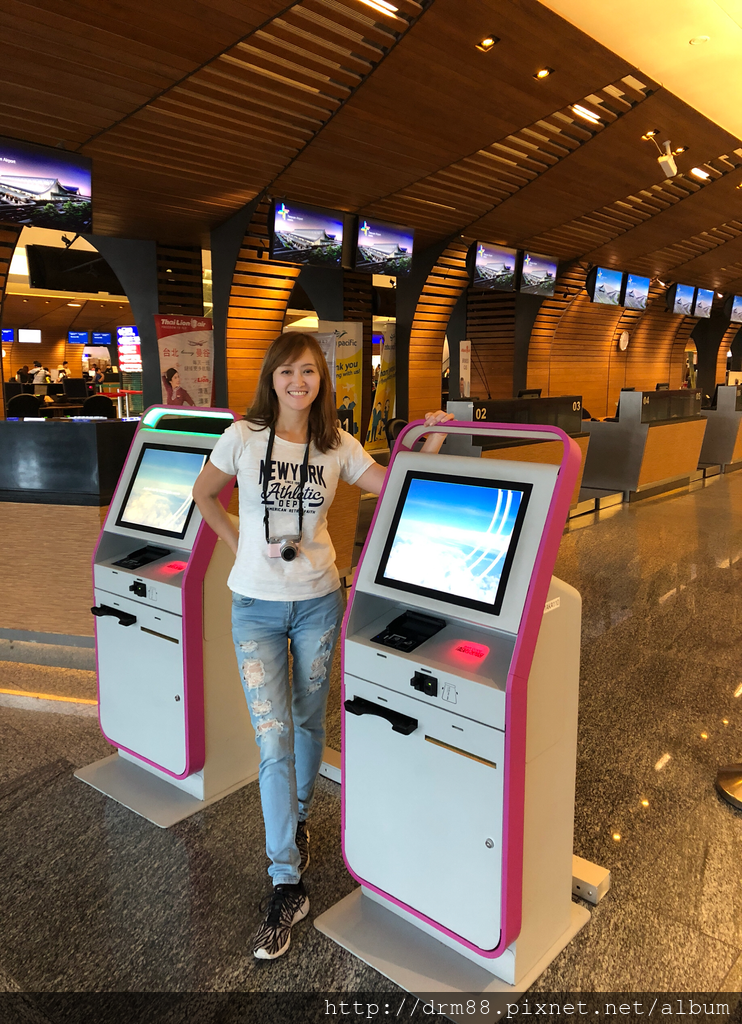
<point x="465" y="369"/>
<point x="348" y="371"/>
<point x="186" y="348"/>
<point x="385" y="399"/>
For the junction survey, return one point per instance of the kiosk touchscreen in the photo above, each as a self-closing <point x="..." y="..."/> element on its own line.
<point x="460" y="675"/>
<point x="170" y="697"/>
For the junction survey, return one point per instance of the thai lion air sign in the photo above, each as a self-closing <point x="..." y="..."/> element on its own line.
<point x="186" y="347"/>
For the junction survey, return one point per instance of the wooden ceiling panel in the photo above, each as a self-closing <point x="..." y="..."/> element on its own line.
<point x="53" y="313"/>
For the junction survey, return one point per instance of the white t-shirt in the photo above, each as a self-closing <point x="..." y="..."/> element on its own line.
<point x="241" y="451"/>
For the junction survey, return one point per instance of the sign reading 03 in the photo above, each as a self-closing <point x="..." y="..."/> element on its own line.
<point x="623" y="340"/>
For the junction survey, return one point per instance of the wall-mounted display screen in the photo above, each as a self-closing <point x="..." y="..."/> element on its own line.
<point x="682" y="299"/>
<point x="306" y="234"/>
<point x="704" y="300"/>
<point x="538" y="275"/>
<point x="29" y="336"/>
<point x="494" y="267"/>
<point x="45" y="187"/>
<point x="604" y="286"/>
<point x="70" y="270"/>
<point x="159" y="498"/>
<point x="383" y="248"/>
<point x="736" y="314"/>
<point x="8" y="335"/>
<point x="101" y="338"/>
<point x="636" y="292"/>
<point x="454" y="540"/>
<point x="129" y="350"/>
<point x="77" y="337"/>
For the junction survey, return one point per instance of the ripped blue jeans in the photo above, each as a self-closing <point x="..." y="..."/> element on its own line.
<point x="289" y="721"/>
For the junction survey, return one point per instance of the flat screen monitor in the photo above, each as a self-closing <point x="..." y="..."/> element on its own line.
<point x="604" y="286"/>
<point x="159" y="498"/>
<point x="70" y="270"/>
<point x="383" y="248"/>
<point x="101" y="338"/>
<point x="662" y="386"/>
<point x="8" y="335"/>
<point x="494" y="267"/>
<point x="77" y="337"/>
<point x="454" y="540"/>
<point x="538" y="274"/>
<point x="680" y="299"/>
<point x="736" y="311"/>
<point x="309" y="235"/>
<point x="45" y="187"/>
<point x="636" y="292"/>
<point x="75" y="387"/>
<point x="704" y="300"/>
<point x="29" y="336"/>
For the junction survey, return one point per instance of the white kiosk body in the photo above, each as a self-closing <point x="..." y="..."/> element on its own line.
<point x="460" y="676"/>
<point x="169" y="691"/>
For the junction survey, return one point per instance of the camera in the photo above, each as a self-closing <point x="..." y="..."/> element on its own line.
<point x="286" y="548"/>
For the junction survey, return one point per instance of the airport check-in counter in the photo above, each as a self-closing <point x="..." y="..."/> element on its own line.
<point x="722" y="442"/>
<point x="563" y="411"/>
<point x="460" y="685"/>
<point x="653" y="445"/>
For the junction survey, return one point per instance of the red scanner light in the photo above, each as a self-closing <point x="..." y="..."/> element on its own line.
<point x="468" y="650"/>
<point x="173" y="567"/>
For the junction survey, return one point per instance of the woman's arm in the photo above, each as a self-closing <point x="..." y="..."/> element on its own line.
<point x="206" y="490"/>
<point x="373" y="479"/>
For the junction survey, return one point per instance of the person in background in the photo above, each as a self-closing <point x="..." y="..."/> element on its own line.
<point x="38" y="373"/>
<point x="98" y="375"/>
<point x="176" y="395"/>
<point x="63" y="370"/>
<point x="23" y="376"/>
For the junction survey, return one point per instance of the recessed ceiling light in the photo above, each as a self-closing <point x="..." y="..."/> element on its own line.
<point x="700" y="173"/>
<point x="487" y="43"/>
<point x="651" y="133"/>
<point x="74" y="303"/>
<point x="681" y="149"/>
<point x="699" y="40"/>
<point x="544" y="73"/>
<point x="588" y="115"/>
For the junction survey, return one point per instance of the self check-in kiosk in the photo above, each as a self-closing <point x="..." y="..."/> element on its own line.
<point x="169" y="692"/>
<point x="460" y="689"/>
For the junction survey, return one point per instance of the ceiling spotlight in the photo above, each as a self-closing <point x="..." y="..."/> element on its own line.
<point x="700" y="173"/>
<point x="74" y="303"/>
<point x="487" y="43"/>
<point x="681" y="149"/>
<point x="544" y="73"/>
<point x="699" y="40"/>
<point x="381" y="6"/>
<point x="588" y="115"/>
<point x="651" y="133"/>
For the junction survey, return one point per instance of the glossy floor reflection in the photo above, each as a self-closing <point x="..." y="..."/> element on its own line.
<point x="94" y="898"/>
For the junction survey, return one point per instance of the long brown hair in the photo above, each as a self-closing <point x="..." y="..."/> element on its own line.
<point x="287" y="347"/>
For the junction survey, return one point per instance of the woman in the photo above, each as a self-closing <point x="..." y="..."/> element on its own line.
<point x="176" y="395"/>
<point x="288" y="455"/>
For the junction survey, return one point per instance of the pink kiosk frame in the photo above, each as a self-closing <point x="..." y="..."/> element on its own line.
<point x="516" y="703"/>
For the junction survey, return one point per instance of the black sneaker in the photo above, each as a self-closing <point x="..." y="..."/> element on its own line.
<point x="302" y="845"/>
<point x="286" y="905"/>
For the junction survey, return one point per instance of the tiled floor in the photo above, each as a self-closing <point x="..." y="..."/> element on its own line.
<point x="94" y="898"/>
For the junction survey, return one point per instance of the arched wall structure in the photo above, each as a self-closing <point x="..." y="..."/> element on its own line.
<point x="490" y="327"/>
<point x="9" y="235"/>
<point x="440" y="293"/>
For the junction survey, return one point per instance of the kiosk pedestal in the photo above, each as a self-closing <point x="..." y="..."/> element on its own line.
<point x="169" y="692"/>
<point x="460" y="691"/>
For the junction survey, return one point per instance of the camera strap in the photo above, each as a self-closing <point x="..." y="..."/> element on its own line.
<point x="303" y="476"/>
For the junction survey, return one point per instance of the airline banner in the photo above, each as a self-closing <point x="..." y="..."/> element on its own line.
<point x="385" y="399"/>
<point x="348" y="371"/>
<point x="186" y="347"/>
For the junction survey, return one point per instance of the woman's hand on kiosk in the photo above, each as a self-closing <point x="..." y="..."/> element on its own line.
<point x="433" y="442"/>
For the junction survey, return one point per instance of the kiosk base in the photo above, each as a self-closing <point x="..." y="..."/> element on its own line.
<point x="419" y="963"/>
<point x="144" y="793"/>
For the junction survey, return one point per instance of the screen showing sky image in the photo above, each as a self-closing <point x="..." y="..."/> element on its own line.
<point x="704" y="301"/>
<point x="453" y="538"/>
<point x="637" y="292"/>
<point x="160" y="496"/>
<point x="43" y="186"/>
<point x="683" y="303"/>
<point x="101" y="337"/>
<point x="307" y="235"/>
<point x="608" y="286"/>
<point x="737" y="310"/>
<point x="8" y="336"/>
<point x="383" y="248"/>
<point x="494" y="267"/>
<point x="77" y="337"/>
<point x="539" y="274"/>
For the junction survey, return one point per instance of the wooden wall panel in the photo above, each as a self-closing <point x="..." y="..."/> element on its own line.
<point x="439" y="295"/>
<point x="490" y="326"/>
<point x="261" y="289"/>
<point x="650" y="353"/>
<point x="569" y="283"/>
<point x="672" y="450"/>
<point x="721" y="357"/>
<point x="9" y="235"/>
<point x="180" y="279"/>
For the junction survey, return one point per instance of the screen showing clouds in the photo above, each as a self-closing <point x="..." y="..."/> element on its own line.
<point x="453" y="538"/>
<point x="160" y="497"/>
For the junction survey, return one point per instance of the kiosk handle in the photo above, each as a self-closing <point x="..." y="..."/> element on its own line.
<point x="399" y="722"/>
<point x="125" y="618"/>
